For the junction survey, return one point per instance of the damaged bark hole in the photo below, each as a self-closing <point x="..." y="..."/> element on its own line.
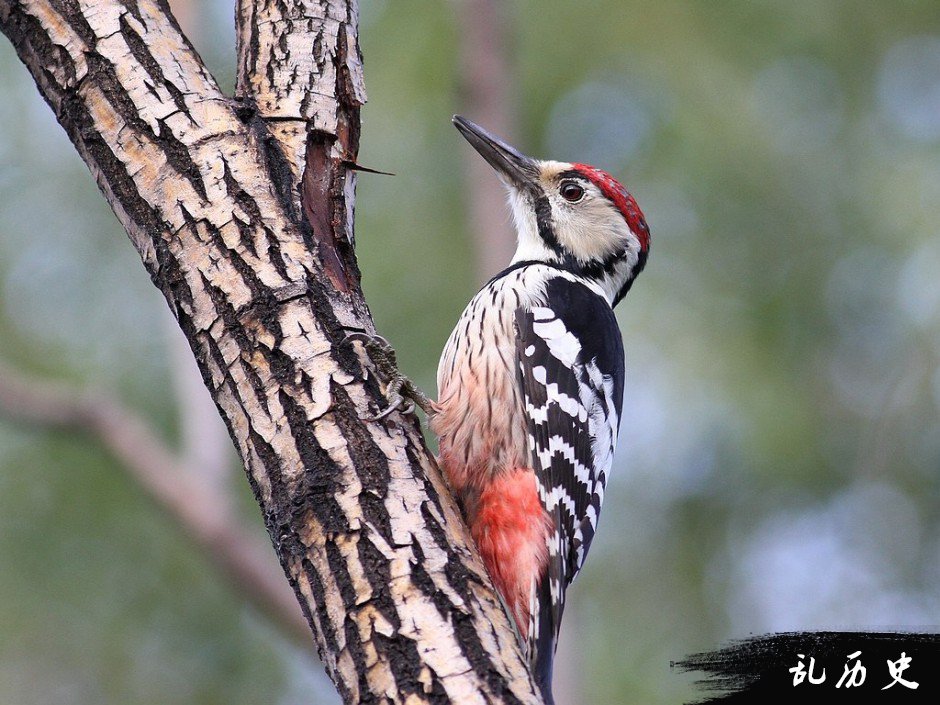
<point x="320" y="186"/>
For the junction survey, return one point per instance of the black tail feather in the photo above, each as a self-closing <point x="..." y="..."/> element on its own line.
<point x="542" y="641"/>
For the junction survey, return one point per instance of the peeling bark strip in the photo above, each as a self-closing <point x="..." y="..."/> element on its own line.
<point x="254" y="257"/>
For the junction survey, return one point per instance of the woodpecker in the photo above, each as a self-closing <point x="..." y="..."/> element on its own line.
<point x="530" y="384"/>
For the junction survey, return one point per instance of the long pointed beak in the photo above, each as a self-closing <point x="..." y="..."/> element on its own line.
<point x="513" y="166"/>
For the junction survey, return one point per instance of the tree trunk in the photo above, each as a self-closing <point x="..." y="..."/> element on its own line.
<point x="242" y="212"/>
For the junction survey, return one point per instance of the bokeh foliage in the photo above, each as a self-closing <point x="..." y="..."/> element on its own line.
<point x="780" y="446"/>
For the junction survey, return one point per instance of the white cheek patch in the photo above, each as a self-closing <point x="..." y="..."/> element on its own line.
<point x="592" y="229"/>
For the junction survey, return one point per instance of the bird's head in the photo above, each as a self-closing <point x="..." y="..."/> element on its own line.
<point x="571" y="215"/>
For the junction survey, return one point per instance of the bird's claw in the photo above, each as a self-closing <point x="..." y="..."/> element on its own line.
<point x="395" y="399"/>
<point x="406" y="406"/>
<point x="402" y="394"/>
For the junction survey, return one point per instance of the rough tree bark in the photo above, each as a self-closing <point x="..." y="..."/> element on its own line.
<point x="242" y="212"/>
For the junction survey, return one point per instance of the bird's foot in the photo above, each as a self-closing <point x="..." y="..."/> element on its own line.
<point x="400" y="392"/>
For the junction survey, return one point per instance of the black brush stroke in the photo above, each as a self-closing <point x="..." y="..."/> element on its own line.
<point x="755" y="669"/>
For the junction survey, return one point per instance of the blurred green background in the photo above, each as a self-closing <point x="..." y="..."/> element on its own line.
<point x="779" y="459"/>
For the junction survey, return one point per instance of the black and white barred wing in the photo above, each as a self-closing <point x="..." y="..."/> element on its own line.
<point x="570" y="357"/>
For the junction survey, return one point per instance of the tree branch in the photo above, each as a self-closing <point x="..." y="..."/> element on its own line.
<point x="205" y="447"/>
<point x="178" y="489"/>
<point x="364" y="526"/>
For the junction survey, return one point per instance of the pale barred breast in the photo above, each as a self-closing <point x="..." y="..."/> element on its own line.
<point x="480" y="423"/>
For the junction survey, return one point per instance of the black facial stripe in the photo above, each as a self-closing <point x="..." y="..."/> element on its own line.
<point x="606" y="265"/>
<point x="593" y="269"/>
<point x="543" y="220"/>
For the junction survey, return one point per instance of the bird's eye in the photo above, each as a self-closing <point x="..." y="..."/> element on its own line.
<point x="572" y="192"/>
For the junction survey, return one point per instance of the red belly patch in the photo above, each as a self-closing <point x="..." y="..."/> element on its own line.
<point x="511" y="529"/>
